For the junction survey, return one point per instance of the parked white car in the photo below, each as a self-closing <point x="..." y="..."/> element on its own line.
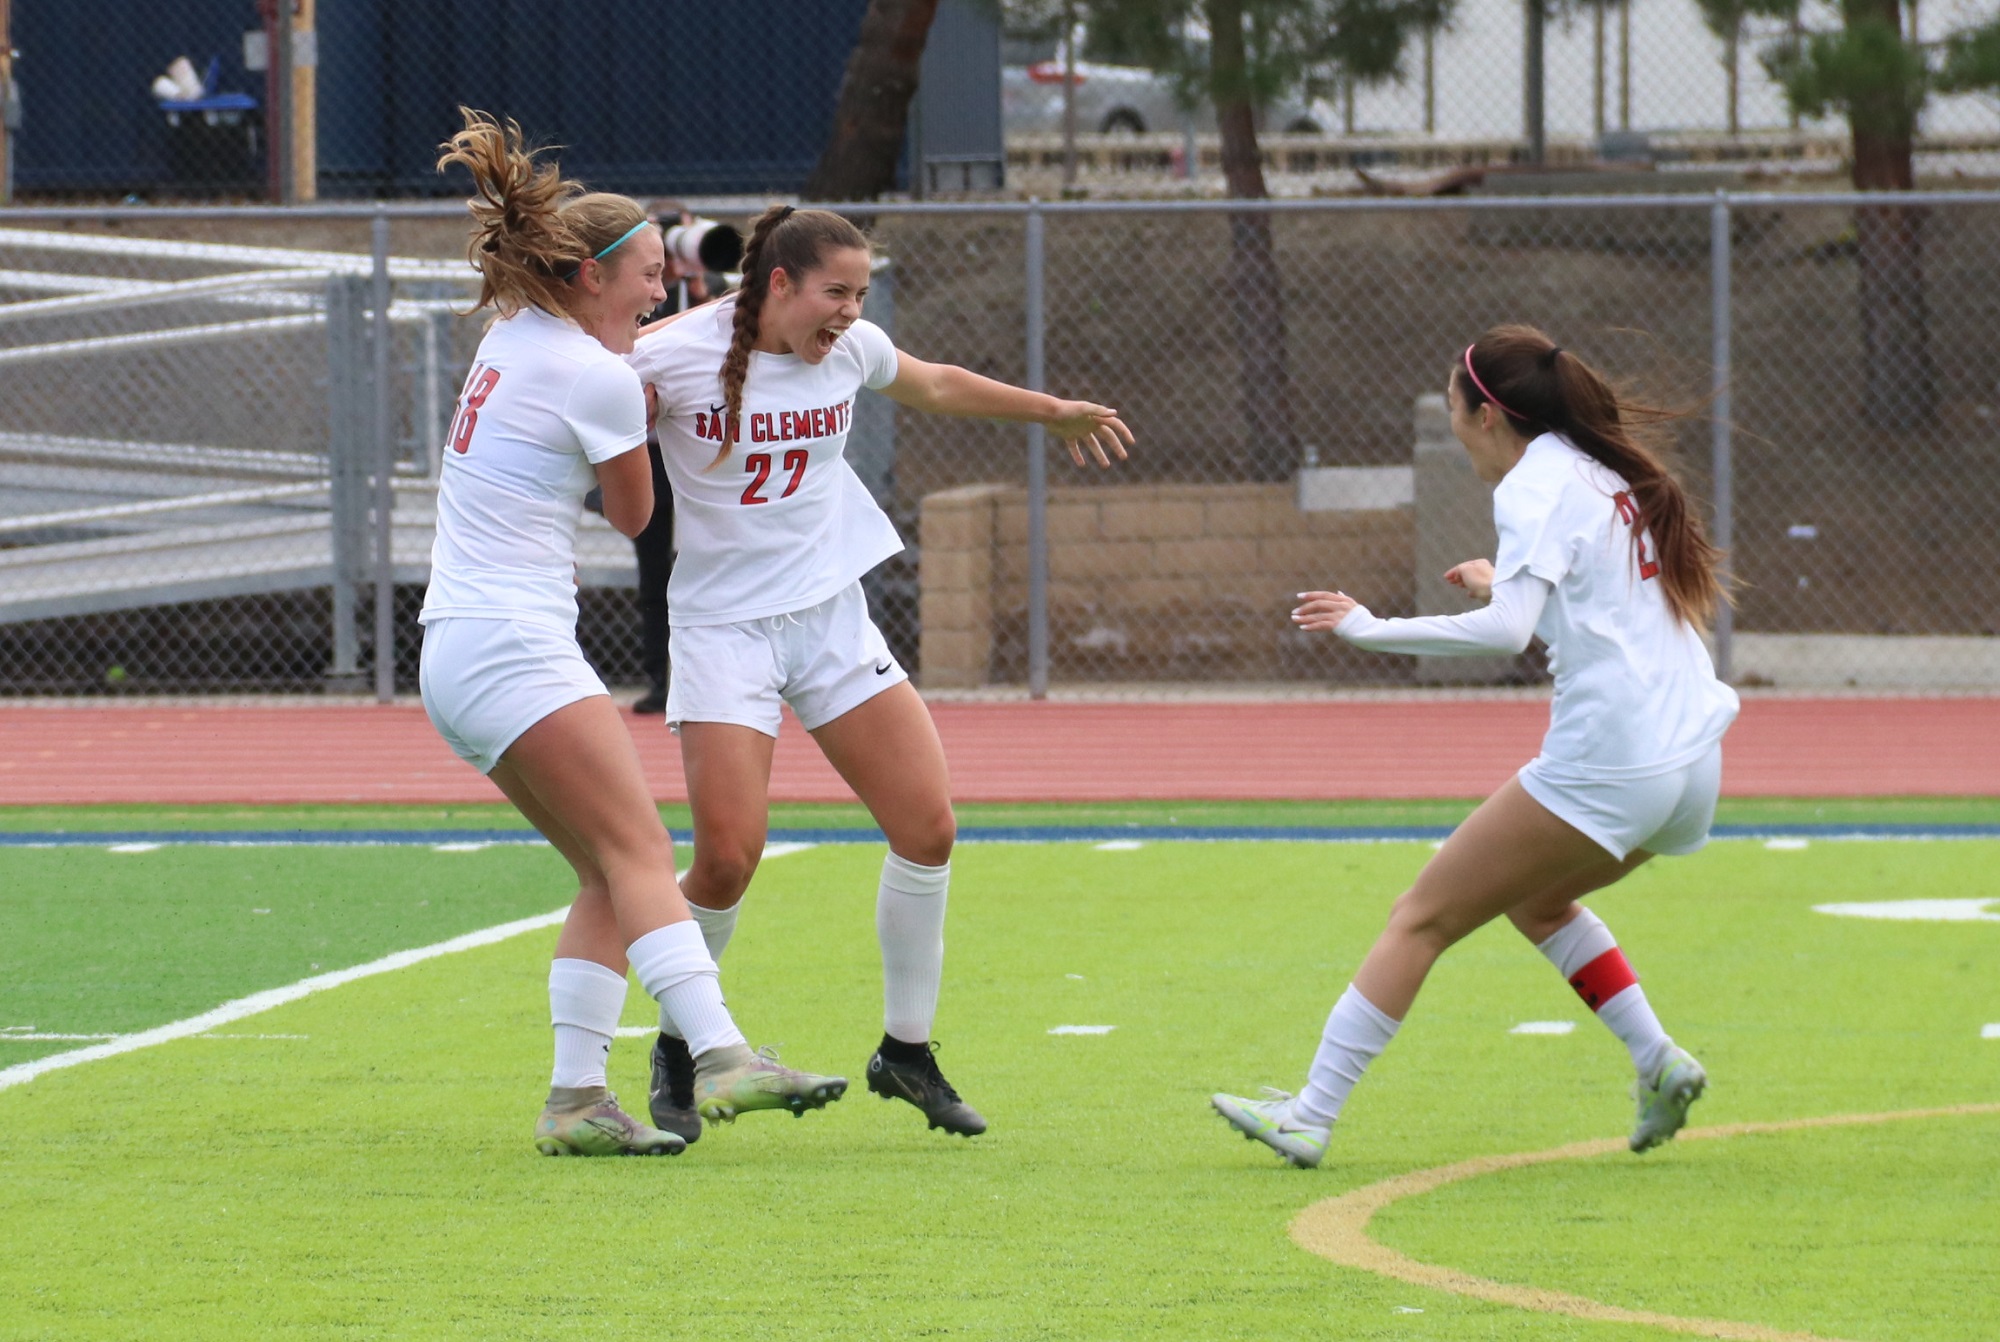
<point x="1114" y="99"/>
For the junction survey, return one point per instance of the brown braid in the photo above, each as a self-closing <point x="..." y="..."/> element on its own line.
<point x="1545" y="388"/>
<point x="787" y="239"/>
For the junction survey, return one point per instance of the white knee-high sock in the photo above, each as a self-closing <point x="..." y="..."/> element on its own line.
<point x="585" y="1001"/>
<point x="674" y="967"/>
<point x="717" y="927"/>
<point x="1356" y="1033"/>
<point x="1585" y="953"/>
<point x="909" y="921"/>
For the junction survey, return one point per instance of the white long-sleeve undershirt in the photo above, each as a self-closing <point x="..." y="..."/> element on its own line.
<point x="1504" y="626"/>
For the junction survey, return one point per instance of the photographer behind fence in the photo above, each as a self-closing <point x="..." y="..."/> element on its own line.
<point x="696" y="249"/>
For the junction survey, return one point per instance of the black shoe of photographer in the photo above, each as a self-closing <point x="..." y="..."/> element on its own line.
<point x="654" y="701"/>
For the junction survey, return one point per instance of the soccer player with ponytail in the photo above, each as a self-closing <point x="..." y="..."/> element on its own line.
<point x="1602" y="554"/>
<point x="550" y="409"/>
<point x="755" y="395"/>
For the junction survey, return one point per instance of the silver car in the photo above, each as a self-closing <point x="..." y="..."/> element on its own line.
<point x="1124" y="99"/>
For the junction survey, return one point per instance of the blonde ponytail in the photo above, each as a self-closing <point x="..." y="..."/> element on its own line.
<point x="532" y="227"/>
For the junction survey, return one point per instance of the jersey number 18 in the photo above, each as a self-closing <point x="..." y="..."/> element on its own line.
<point x="478" y="386"/>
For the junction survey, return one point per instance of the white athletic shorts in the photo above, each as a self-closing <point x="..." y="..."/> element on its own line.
<point x="1667" y="814"/>
<point x="823" y="661"/>
<point x="487" y="681"/>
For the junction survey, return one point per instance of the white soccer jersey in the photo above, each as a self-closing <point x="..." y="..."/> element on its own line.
<point x="543" y="405"/>
<point x="1635" y="690"/>
<point x="782" y="523"/>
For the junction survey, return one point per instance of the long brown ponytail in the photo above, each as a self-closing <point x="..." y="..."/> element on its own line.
<point x="794" y="241"/>
<point x="532" y="227"/>
<point x="1542" y="388"/>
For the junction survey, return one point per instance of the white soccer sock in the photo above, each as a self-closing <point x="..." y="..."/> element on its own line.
<point x="909" y="921"/>
<point x="585" y="1001"/>
<point x="674" y="967"/>
<point x="1578" y="942"/>
<point x="1356" y="1033"/>
<point x="1581" y="945"/>
<point x="717" y="927"/>
<point x="1630" y="1016"/>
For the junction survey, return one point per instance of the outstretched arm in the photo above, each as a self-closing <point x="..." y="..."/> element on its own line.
<point x="946" y="389"/>
<point x="1505" y="626"/>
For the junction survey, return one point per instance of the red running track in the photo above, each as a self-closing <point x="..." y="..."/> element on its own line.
<point x="1316" y="750"/>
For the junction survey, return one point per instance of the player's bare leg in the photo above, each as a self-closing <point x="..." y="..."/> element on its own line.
<point x="1509" y="851"/>
<point x="578" y="770"/>
<point x="1576" y="941"/>
<point x="887" y="750"/>
<point x="728" y="769"/>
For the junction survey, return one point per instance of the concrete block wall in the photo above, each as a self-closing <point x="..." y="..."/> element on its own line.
<point x="1146" y="576"/>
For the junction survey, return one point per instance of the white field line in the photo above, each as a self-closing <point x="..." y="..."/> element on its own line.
<point x="256" y="1003"/>
<point x="231" y="1012"/>
<point x="1544" y="1027"/>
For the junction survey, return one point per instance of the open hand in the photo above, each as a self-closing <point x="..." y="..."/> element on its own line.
<point x="1475" y="576"/>
<point x="1322" y="610"/>
<point x="1080" y="424"/>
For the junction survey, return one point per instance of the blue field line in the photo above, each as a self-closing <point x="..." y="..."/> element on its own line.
<point x="414" y="838"/>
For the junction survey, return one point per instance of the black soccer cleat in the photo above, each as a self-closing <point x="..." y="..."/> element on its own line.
<point x="670" y="1099"/>
<point x="918" y="1080"/>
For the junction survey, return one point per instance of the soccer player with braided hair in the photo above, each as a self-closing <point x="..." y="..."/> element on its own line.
<point x="1602" y="554"/>
<point x="549" y="409"/>
<point x="755" y="396"/>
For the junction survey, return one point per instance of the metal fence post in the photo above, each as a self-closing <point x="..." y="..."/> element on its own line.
<point x="1534" y="81"/>
<point x="1038" y="472"/>
<point x="346" y="463"/>
<point x="1721" y="465"/>
<point x="385" y="467"/>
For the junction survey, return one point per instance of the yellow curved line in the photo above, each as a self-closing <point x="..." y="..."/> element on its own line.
<point x="1337" y="1229"/>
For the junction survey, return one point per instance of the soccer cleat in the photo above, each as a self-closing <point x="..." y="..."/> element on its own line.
<point x="586" y="1121"/>
<point x="922" y="1084"/>
<point x="670" y="1101"/>
<point x="1663" y="1104"/>
<point x="1270" y="1121"/>
<point x="735" y="1080"/>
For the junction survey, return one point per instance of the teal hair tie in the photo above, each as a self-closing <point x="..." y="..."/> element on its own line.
<point x="623" y="238"/>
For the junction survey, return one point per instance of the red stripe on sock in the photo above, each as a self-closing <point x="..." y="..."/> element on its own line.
<point x="1603" y="978"/>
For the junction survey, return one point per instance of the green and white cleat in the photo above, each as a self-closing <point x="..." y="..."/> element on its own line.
<point x="1663" y="1104"/>
<point x="736" y="1080"/>
<point x="586" y="1121"/>
<point x="1270" y="1121"/>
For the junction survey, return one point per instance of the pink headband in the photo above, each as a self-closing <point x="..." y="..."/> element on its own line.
<point x="1482" y="387"/>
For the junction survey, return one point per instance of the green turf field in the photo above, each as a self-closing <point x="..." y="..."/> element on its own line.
<point x="358" y="1164"/>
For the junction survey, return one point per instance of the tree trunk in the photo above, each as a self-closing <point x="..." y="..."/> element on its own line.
<point x="1256" y="296"/>
<point x="871" y="120"/>
<point x="1899" y="381"/>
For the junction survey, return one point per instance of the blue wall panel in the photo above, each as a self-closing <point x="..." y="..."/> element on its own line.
<point x="685" y="96"/>
<point x="709" y="97"/>
<point x="86" y="71"/>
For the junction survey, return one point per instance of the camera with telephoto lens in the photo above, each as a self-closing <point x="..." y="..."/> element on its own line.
<point x="712" y="246"/>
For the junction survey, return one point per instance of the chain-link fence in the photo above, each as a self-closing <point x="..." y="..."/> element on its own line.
<point x="193" y="434"/>
<point x="1678" y="83"/>
<point x="292" y="99"/>
<point x="296" y="99"/>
